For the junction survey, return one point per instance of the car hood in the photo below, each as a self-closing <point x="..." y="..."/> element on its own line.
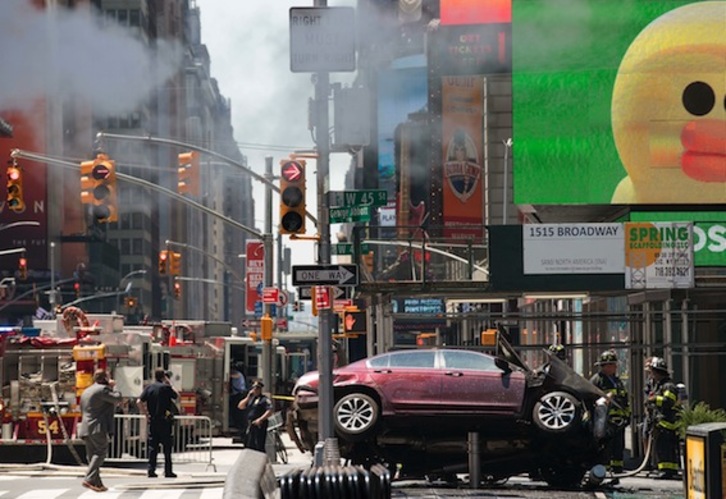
<point x="564" y="375"/>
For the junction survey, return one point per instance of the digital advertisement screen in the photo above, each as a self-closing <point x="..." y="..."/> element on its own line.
<point x="619" y="102"/>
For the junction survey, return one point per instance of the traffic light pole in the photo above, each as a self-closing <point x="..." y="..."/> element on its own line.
<point x="267" y="242"/>
<point x="329" y="447"/>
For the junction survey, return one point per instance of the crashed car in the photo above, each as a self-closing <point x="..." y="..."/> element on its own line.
<point x="414" y="410"/>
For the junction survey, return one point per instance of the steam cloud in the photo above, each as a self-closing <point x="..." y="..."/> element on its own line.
<point x="75" y="54"/>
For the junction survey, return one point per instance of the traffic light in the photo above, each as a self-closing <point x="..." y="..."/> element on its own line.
<point x="14" y="198"/>
<point x="292" y="197"/>
<point x="77" y="289"/>
<point x="163" y="262"/>
<point x="174" y="263"/>
<point x="177" y="290"/>
<point x="98" y="188"/>
<point x="266" y="328"/>
<point x="188" y="171"/>
<point x="23" y="267"/>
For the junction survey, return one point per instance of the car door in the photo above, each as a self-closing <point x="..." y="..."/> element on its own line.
<point x="472" y="382"/>
<point x="408" y="380"/>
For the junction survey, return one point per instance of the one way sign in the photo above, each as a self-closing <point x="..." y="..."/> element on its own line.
<point x="325" y="275"/>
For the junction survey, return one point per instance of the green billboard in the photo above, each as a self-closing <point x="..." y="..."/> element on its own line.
<point x="619" y="101"/>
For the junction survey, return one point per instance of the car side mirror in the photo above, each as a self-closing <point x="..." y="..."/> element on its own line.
<point x="503" y="365"/>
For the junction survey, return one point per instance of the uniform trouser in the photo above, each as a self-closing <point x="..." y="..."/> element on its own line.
<point x="666" y="449"/>
<point x="96" y="450"/>
<point x="160" y="434"/>
<point x="615" y="448"/>
<point x="256" y="437"/>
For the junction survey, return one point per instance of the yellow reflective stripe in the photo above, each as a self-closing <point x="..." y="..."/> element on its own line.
<point x="659" y="400"/>
<point x="667" y="425"/>
<point x="667" y="466"/>
<point x="616" y="462"/>
<point x="670" y="395"/>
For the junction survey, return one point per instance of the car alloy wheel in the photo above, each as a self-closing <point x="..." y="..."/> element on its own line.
<point x="355" y="414"/>
<point x="557" y="412"/>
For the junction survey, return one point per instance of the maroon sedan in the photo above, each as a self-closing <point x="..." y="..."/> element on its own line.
<point x="416" y="408"/>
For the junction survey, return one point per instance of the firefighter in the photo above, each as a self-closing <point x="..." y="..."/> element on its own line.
<point x="662" y="404"/>
<point x="607" y="380"/>
<point x="559" y="351"/>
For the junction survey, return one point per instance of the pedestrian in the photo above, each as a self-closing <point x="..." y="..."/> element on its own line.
<point x="259" y="410"/>
<point x="98" y="403"/>
<point x="663" y="405"/>
<point x="157" y="403"/>
<point x="607" y="380"/>
<point x="237" y="391"/>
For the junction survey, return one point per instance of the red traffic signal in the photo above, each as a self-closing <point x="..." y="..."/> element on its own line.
<point x="23" y="267"/>
<point x="292" y="197"/>
<point x="14" y="198"/>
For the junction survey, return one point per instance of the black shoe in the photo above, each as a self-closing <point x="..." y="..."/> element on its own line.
<point x="152" y="474"/>
<point x="170" y="475"/>
<point x="667" y="475"/>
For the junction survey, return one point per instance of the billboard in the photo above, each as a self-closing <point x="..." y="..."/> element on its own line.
<point x="618" y="102"/>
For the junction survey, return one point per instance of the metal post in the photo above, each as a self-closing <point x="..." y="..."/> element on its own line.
<point x="51" y="296"/>
<point x="507" y="145"/>
<point x="269" y="273"/>
<point x="325" y="350"/>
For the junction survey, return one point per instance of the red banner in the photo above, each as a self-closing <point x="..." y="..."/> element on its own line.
<point x="255" y="272"/>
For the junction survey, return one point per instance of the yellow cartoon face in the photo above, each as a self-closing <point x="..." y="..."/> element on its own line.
<point x="669" y="109"/>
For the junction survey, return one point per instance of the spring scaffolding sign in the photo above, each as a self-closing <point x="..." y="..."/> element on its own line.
<point x="659" y="255"/>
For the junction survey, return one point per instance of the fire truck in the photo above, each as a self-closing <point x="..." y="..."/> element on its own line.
<point x="44" y="370"/>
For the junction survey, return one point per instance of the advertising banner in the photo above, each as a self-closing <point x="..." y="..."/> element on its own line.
<point x="659" y="255"/>
<point x="618" y="102"/>
<point x="28" y="135"/>
<point x="462" y="120"/>
<point x="255" y="273"/>
<point x="573" y="248"/>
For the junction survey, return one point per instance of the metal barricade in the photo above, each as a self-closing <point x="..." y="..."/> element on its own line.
<point x="191" y="440"/>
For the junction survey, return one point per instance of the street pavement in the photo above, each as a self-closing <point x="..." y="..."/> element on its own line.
<point x="198" y="481"/>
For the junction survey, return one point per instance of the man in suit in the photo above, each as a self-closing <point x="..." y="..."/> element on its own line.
<point x="98" y="403"/>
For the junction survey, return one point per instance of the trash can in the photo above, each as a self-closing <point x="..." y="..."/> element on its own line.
<point x="705" y="461"/>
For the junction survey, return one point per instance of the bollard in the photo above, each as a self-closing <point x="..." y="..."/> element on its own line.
<point x="474" y="463"/>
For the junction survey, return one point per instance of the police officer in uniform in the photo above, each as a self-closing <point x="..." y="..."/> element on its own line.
<point x="259" y="410"/>
<point x="607" y="380"/>
<point x="663" y="405"/>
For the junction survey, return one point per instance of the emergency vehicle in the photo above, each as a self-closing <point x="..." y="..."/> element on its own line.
<point x="44" y="370"/>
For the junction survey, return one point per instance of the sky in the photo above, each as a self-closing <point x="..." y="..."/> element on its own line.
<point x="249" y="47"/>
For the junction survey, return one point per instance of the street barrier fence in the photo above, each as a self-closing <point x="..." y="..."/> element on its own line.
<point x="191" y="440"/>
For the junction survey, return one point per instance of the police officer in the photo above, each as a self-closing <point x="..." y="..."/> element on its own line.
<point x="663" y="404"/>
<point x="607" y="380"/>
<point x="259" y="410"/>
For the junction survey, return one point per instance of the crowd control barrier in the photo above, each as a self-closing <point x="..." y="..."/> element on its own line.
<point x="191" y="438"/>
<point x="344" y="482"/>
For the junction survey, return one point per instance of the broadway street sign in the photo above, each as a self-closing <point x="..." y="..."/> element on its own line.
<point x="350" y="214"/>
<point x="325" y="275"/>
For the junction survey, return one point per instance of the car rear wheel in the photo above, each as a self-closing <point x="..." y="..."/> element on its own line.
<point x="557" y="412"/>
<point x="355" y="415"/>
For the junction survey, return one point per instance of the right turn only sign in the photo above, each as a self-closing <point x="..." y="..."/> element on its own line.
<point x="322" y="39"/>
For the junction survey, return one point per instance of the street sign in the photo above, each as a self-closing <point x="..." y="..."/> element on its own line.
<point x="270" y="295"/>
<point x="350" y="214"/>
<point x="321" y="275"/>
<point x="254" y="272"/>
<point x="322" y="297"/>
<point x="341" y="305"/>
<point x="282" y="298"/>
<point x="346" y="248"/>
<point x="322" y="39"/>
<point x="357" y="198"/>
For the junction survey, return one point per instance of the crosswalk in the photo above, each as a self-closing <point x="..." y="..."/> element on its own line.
<point x="33" y="487"/>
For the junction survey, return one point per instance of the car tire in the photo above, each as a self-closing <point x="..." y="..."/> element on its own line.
<point x="557" y="412"/>
<point x="355" y="415"/>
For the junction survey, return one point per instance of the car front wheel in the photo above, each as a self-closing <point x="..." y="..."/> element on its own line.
<point x="557" y="412"/>
<point x="355" y="415"/>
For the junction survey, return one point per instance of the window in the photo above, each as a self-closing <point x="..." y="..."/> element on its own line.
<point x="423" y="359"/>
<point x="125" y="247"/>
<point x="138" y="247"/>
<point x="461" y="359"/>
<point x="381" y="361"/>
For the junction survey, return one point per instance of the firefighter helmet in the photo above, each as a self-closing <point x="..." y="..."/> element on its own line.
<point x="558" y="350"/>
<point x="659" y="364"/>
<point x="607" y="357"/>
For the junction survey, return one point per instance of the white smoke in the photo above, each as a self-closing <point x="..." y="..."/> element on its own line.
<point x="74" y="53"/>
